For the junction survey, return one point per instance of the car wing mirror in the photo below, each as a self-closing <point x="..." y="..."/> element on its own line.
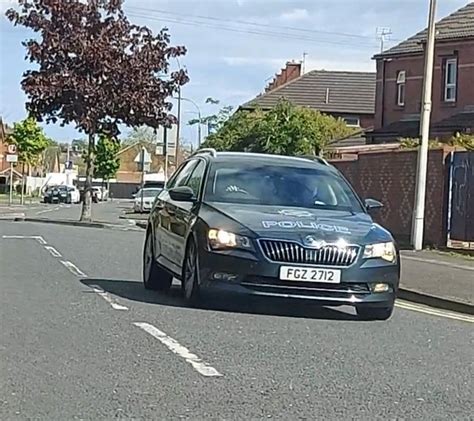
<point x="182" y="194"/>
<point x="372" y="204"/>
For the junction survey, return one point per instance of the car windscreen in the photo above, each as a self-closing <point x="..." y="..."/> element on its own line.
<point x="280" y="185"/>
<point x="149" y="192"/>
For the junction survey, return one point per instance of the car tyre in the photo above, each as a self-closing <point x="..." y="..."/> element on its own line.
<point x="374" y="313"/>
<point x="154" y="277"/>
<point x="190" y="283"/>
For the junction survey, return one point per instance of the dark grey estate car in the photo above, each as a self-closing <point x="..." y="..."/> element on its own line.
<point x="271" y="226"/>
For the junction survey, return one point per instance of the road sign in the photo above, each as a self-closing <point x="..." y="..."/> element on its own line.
<point x="12" y="149"/>
<point x="12" y="158"/>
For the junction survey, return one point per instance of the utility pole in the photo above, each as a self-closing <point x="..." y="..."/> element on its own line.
<point x="178" y="130"/>
<point x="422" y="165"/>
<point x="165" y="146"/>
<point x="142" y="163"/>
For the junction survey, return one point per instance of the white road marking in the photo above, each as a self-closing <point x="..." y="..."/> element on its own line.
<point x="434" y="312"/>
<point x="38" y="238"/>
<point x="73" y="268"/>
<point x="99" y="291"/>
<point x="200" y="366"/>
<point x="53" y="251"/>
<point x="48" y="210"/>
<point x="438" y="262"/>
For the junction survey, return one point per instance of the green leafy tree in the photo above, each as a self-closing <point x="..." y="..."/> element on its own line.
<point x="106" y="163"/>
<point x="213" y="121"/>
<point x="30" y="140"/>
<point x="286" y="129"/>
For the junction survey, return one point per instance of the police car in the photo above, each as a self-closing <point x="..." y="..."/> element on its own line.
<point x="270" y="225"/>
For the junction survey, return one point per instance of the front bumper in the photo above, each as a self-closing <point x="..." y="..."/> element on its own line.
<point x="239" y="272"/>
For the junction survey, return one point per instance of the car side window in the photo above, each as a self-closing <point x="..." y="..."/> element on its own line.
<point x="195" y="181"/>
<point x="182" y="175"/>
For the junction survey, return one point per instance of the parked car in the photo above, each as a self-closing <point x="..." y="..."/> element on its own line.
<point x="101" y="192"/>
<point x="149" y="196"/>
<point x="275" y="226"/>
<point x="61" y="194"/>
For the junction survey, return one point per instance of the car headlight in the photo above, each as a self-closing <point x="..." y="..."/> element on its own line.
<point x="385" y="251"/>
<point x="219" y="239"/>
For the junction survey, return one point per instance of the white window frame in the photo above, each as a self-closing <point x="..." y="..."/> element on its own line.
<point x="355" y="118"/>
<point x="401" y="87"/>
<point x="448" y="86"/>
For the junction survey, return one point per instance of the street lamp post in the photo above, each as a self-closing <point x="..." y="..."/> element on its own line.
<point x="422" y="165"/>
<point x="198" y="112"/>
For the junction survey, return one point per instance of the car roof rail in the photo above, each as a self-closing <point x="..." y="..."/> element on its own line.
<point x="210" y="151"/>
<point x="315" y="158"/>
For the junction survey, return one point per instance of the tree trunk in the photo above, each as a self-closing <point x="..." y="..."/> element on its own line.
<point x="86" y="214"/>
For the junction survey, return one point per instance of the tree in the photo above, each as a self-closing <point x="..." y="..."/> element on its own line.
<point x="141" y="134"/>
<point x="106" y="163"/>
<point x="30" y="140"/>
<point x="96" y="70"/>
<point x="213" y="121"/>
<point x="286" y="129"/>
<point x="31" y="143"/>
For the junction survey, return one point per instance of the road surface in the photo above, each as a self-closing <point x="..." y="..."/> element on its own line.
<point x="81" y="339"/>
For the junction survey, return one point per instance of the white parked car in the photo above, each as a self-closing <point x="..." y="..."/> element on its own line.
<point x="149" y="196"/>
<point x="101" y="192"/>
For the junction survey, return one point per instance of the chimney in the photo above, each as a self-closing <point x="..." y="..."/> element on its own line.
<point x="291" y="71"/>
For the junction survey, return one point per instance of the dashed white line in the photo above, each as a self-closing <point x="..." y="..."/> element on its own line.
<point x="53" y="251"/>
<point x="99" y="291"/>
<point x="434" y="312"/>
<point x="73" y="268"/>
<point x="196" y="362"/>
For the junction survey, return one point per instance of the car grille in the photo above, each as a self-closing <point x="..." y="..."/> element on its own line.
<point x="290" y="252"/>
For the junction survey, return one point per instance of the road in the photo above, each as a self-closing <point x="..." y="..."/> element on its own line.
<point x="81" y="339"/>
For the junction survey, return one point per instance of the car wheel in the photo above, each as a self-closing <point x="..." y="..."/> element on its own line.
<point x="374" y="313"/>
<point x="190" y="282"/>
<point x="154" y="277"/>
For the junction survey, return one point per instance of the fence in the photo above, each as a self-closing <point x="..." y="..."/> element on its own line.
<point x="390" y="178"/>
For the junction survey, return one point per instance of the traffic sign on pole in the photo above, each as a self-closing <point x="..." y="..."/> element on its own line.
<point x="12" y="158"/>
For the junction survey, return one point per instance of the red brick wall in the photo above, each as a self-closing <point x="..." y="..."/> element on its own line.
<point x="390" y="178"/>
<point x="413" y="65"/>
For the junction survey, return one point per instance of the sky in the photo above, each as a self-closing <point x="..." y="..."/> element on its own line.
<point x="235" y="47"/>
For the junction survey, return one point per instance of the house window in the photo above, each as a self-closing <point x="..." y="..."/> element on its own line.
<point x="352" y="121"/>
<point x="401" y="79"/>
<point x="450" y="80"/>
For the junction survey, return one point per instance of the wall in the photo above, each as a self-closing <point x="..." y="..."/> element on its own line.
<point x="413" y="65"/>
<point x="390" y="178"/>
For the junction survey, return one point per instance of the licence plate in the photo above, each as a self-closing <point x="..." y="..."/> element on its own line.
<point x="305" y="274"/>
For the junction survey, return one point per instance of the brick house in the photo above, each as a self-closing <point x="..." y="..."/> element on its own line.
<point x="400" y="82"/>
<point x="4" y="129"/>
<point x="129" y="172"/>
<point x="349" y="95"/>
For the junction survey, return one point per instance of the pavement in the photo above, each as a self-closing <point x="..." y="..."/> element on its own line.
<point x="82" y="339"/>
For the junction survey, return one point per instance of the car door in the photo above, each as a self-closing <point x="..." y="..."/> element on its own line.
<point x="163" y="217"/>
<point x="185" y="212"/>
